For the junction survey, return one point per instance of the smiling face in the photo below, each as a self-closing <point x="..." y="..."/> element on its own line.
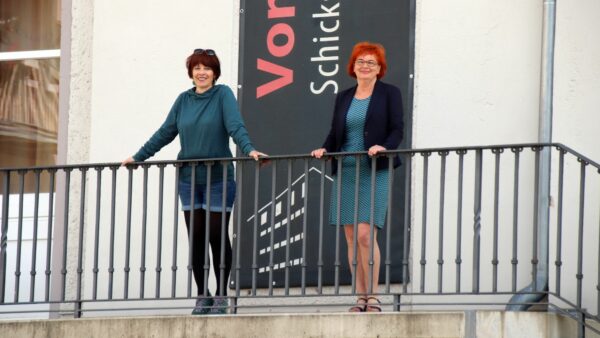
<point x="203" y="77"/>
<point x="366" y="67"/>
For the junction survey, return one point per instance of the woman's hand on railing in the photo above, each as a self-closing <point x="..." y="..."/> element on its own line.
<point x="255" y="154"/>
<point x="375" y="149"/>
<point x="127" y="161"/>
<point x="318" y="153"/>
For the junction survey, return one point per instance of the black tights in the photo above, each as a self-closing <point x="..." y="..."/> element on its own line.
<point x="215" y="245"/>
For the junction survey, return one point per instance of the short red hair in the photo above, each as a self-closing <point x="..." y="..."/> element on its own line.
<point x="364" y="48"/>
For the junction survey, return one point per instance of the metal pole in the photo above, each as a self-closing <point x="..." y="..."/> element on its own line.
<point x="544" y="136"/>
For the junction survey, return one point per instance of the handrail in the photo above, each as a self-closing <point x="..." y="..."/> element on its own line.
<point x="290" y="156"/>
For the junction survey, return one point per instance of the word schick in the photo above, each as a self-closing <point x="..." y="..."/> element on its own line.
<point x="327" y="59"/>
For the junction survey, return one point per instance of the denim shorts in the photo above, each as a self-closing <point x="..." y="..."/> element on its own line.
<point x="216" y="196"/>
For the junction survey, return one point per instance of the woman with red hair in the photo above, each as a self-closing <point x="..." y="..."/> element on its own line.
<point x="366" y="117"/>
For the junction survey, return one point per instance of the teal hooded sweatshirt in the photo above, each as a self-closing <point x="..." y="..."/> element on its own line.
<point x="204" y="123"/>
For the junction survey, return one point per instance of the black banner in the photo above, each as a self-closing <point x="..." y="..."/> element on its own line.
<point x="293" y="61"/>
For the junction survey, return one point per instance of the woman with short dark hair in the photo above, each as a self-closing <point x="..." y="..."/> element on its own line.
<point x="204" y="117"/>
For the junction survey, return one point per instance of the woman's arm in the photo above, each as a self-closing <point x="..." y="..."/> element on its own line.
<point x="234" y="124"/>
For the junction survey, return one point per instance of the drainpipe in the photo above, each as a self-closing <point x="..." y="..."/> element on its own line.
<point x="541" y="231"/>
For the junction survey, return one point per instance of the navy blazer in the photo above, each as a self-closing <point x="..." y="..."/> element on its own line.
<point x="383" y="123"/>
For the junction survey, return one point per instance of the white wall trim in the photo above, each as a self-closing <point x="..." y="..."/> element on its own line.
<point x="30" y="54"/>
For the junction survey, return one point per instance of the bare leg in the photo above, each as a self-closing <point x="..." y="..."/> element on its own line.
<point x="361" y="289"/>
<point x="364" y="250"/>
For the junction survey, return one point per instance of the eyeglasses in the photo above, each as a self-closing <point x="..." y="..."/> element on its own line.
<point x="361" y="63"/>
<point x="206" y="51"/>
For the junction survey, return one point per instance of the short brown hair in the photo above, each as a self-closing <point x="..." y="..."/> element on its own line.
<point x="211" y="61"/>
<point x="366" y="47"/>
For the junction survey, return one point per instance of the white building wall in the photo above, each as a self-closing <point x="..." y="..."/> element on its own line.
<point x="478" y="82"/>
<point x="577" y="70"/>
<point x="575" y="123"/>
<point x="477" y="70"/>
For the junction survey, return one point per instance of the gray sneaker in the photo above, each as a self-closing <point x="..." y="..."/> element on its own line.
<point x="219" y="306"/>
<point x="203" y="306"/>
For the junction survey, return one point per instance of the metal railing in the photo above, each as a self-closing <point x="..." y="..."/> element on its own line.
<point x="110" y="243"/>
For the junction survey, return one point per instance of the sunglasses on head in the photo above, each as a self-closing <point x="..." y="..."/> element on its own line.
<point x="206" y="51"/>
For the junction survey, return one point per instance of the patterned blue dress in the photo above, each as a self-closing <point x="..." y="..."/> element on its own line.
<point x="354" y="141"/>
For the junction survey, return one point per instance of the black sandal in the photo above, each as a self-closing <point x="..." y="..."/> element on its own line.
<point x="372" y="308"/>
<point x="360" y="307"/>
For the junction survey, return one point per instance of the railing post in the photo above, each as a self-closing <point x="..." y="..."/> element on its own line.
<point x="158" y="269"/>
<point x="407" y="226"/>
<point x="4" y="238"/>
<point x="77" y="310"/>
<point x="458" y="259"/>
<point x="559" y="221"/>
<point x="440" y="260"/>
<point x="579" y="275"/>
<point x="477" y="219"/>
<point x="111" y="259"/>
<point x="396" y="305"/>
<point x="515" y="260"/>
<point x="423" y="260"/>
<point x="144" y="227"/>
<point x="49" y="244"/>
<point x="495" y="261"/>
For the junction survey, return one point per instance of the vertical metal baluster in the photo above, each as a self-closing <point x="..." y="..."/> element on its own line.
<point x="355" y="225"/>
<point x="126" y="269"/>
<point x="388" y="255"/>
<point x="97" y="232"/>
<point x="52" y="173"/>
<point x="534" y="257"/>
<point x="63" y="270"/>
<point x="598" y="281"/>
<point x="224" y="227"/>
<point x="19" y="235"/>
<point x="440" y="260"/>
<point x="4" y="238"/>
<point x="175" y="228"/>
<point x="477" y="219"/>
<point x="495" y="261"/>
<point x="514" y="262"/>
<point x="35" y="235"/>
<point x="458" y="260"/>
<point x="238" y="234"/>
<point x="144" y="225"/>
<point x="579" y="275"/>
<point x="77" y="313"/>
<point x="424" y="217"/>
<point x="321" y="211"/>
<point x="272" y="227"/>
<point x="304" y="225"/>
<point x="340" y="160"/>
<point x="559" y="220"/>
<point x="407" y="227"/>
<point x="161" y="180"/>
<point x="372" y="226"/>
<point x="255" y="227"/>
<point x="207" y="227"/>
<point x="288" y="228"/>
<point x="191" y="230"/>
<point x="111" y="259"/>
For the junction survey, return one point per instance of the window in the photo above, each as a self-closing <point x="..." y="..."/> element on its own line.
<point x="29" y="75"/>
